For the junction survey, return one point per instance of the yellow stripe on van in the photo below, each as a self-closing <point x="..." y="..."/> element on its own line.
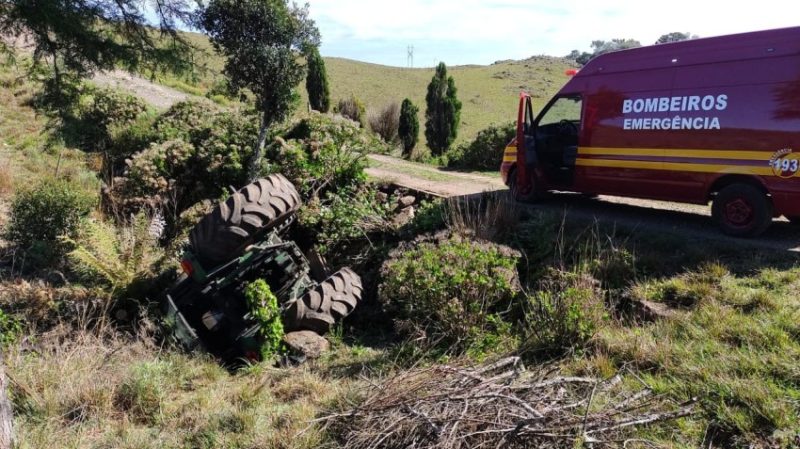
<point x="676" y="166"/>
<point x="669" y="152"/>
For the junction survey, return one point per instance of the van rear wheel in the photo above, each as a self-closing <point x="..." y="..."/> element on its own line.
<point x="742" y="210"/>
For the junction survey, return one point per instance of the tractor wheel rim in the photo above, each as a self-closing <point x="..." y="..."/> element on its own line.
<point x="739" y="212"/>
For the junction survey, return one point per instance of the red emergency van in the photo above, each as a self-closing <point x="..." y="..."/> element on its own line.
<point x="707" y="120"/>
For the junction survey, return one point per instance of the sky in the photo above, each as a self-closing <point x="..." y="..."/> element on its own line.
<point x="481" y="32"/>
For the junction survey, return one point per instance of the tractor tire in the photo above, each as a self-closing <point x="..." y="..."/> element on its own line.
<point x="331" y="300"/>
<point x="742" y="210"/>
<point x="247" y="213"/>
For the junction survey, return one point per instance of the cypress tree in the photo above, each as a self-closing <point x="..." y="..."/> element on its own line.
<point x="443" y="114"/>
<point x="409" y="126"/>
<point x="319" y="94"/>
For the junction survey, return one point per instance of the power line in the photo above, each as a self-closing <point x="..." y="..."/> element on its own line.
<point x="410" y="56"/>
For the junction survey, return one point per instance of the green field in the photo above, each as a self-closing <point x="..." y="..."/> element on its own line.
<point x="489" y="93"/>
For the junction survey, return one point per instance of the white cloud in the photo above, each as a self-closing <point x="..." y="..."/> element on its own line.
<point x="473" y="31"/>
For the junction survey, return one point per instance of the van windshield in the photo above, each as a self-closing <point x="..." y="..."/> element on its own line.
<point x="564" y="108"/>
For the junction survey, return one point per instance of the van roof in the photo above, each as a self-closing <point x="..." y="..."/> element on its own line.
<point x="757" y="44"/>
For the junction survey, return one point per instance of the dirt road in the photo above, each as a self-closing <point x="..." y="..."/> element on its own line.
<point x="157" y="95"/>
<point x="688" y="220"/>
<point x="426" y="178"/>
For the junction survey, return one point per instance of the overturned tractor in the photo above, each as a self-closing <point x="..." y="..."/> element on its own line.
<point x="240" y="241"/>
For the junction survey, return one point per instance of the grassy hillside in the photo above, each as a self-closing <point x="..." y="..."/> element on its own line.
<point x="489" y="93"/>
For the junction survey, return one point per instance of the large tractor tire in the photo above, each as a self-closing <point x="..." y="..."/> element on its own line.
<point x="319" y="308"/>
<point x="233" y="225"/>
<point x="742" y="210"/>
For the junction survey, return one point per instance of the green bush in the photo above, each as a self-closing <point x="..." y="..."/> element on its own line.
<point x="223" y="150"/>
<point x="430" y="216"/>
<point x="205" y="156"/>
<point x="40" y="215"/>
<point x="321" y="154"/>
<point x="187" y="120"/>
<point x="449" y="291"/>
<point x="344" y="216"/>
<point x="564" y="312"/>
<point x="486" y="151"/>
<point x="264" y="310"/>
<point x="10" y="329"/>
<point x="130" y="139"/>
<point x="100" y="111"/>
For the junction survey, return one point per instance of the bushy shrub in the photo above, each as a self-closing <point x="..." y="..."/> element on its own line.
<point x="264" y="310"/>
<point x="386" y="122"/>
<point x="10" y="329"/>
<point x="429" y="217"/>
<point x="205" y="157"/>
<point x="186" y="120"/>
<point x="154" y="176"/>
<point x="351" y="108"/>
<point x="564" y="312"/>
<point x="223" y="150"/>
<point x="128" y="140"/>
<point x="102" y="110"/>
<point x="485" y="152"/>
<point x="321" y="154"/>
<point x="41" y="214"/>
<point x="343" y="216"/>
<point x="449" y="291"/>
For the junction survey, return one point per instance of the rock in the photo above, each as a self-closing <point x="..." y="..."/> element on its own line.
<point x="56" y="278"/>
<point x="404" y="216"/>
<point x="651" y="311"/>
<point x="306" y="343"/>
<point x="406" y="201"/>
<point x="381" y="197"/>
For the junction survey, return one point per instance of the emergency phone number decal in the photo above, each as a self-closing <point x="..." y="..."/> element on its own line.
<point x="784" y="163"/>
<point x="636" y="108"/>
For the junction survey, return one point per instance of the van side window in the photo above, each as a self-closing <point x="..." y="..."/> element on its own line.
<point x="565" y="108"/>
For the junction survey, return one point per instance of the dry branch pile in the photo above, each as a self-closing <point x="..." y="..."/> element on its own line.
<point x="497" y="406"/>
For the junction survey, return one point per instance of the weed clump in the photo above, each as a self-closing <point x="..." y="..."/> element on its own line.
<point x="451" y="292"/>
<point x="351" y="108"/>
<point x="564" y="312"/>
<point x="386" y="122"/>
<point x="264" y="310"/>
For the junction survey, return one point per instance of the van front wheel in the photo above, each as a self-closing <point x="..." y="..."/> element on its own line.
<point x="742" y="210"/>
<point x="523" y="197"/>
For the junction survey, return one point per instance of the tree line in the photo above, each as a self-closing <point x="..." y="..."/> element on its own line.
<point x="599" y="47"/>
